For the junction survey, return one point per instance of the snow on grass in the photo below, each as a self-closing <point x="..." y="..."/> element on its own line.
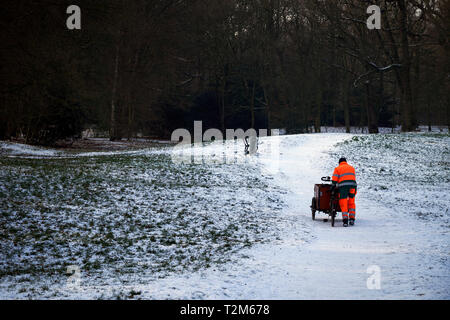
<point x="409" y="173"/>
<point x="125" y="217"/>
<point x="403" y="204"/>
<point x="18" y="149"/>
<point x="383" y="130"/>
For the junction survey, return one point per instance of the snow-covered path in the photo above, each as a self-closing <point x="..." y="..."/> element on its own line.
<point x="316" y="261"/>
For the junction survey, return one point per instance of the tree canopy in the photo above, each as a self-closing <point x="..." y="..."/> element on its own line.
<point x="150" y="66"/>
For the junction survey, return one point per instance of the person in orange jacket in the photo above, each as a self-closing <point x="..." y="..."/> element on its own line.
<point x="344" y="178"/>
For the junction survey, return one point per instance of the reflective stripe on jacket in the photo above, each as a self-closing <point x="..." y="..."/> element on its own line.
<point x="344" y="175"/>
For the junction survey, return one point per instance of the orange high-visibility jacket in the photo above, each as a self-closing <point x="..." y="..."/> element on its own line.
<point x="344" y="175"/>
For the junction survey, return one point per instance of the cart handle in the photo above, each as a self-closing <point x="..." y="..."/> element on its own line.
<point x="326" y="179"/>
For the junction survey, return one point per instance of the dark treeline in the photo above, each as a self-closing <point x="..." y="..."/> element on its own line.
<point x="151" y="66"/>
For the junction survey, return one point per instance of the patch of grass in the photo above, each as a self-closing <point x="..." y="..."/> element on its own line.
<point x="101" y="212"/>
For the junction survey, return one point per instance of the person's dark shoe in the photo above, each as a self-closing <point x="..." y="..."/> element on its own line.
<point x="352" y="222"/>
<point x="345" y="222"/>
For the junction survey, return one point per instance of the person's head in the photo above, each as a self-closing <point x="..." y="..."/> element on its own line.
<point x="342" y="160"/>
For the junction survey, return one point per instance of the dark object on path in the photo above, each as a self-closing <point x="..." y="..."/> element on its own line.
<point x="250" y="146"/>
<point x="325" y="200"/>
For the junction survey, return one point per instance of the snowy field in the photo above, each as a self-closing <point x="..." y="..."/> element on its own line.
<point x="141" y="224"/>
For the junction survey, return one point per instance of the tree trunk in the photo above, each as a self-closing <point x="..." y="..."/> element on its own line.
<point x="266" y="98"/>
<point x="130" y="121"/>
<point x="317" y="121"/>
<point x="131" y="98"/>
<point x="372" y="124"/>
<point x="429" y="116"/>
<point x="345" y="102"/>
<point x="395" y="110"/>
<point x="334" y="114"/>
<point x="448" y="111"/>
<point x="252" y="106"/>
<point x="381" y="99"/>
<point x="222" y="107"/>
<point x="408" y="119"/>
<point x="223" y="90"/>
<point x="113" y="129"/>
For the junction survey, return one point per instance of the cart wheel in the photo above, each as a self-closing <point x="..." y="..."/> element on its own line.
<point x="333" y="213"/>
<point x="313" y="208"/>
